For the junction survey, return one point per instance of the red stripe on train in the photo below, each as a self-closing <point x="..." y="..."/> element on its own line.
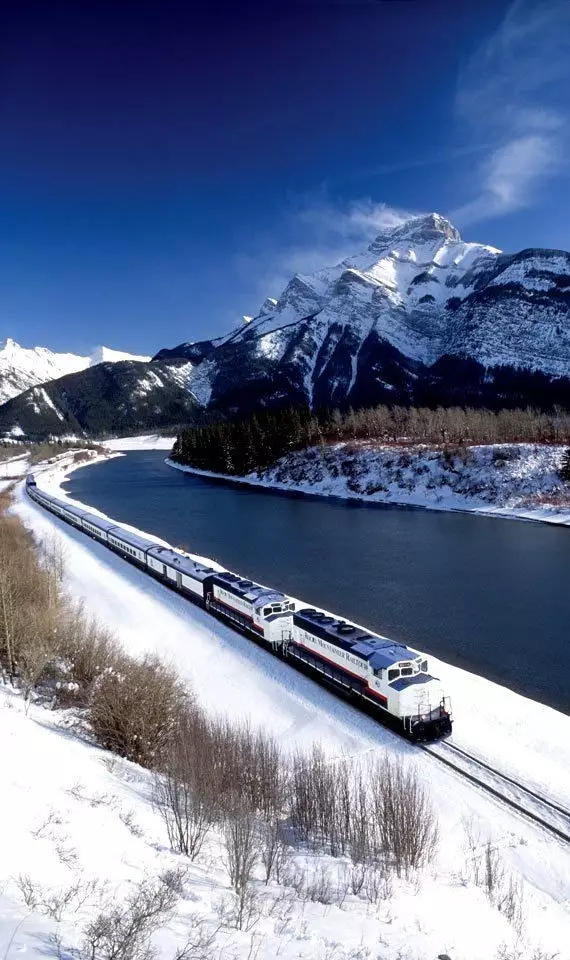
<point x="369" y="691"/>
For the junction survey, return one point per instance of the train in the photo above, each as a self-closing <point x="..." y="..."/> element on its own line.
<point x="389" y="678"/>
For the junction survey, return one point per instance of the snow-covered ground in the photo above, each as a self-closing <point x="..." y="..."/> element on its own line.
<point x="149" y="442"/>
<point x="71" y="809"/>
<point x="507" y="480"/>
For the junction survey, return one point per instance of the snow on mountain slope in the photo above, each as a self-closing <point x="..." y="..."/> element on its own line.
<point x="22" y="367"/>
<point x="413" y="267"/>
<point x="106" y="355"/>
<point x="375" y="327"/>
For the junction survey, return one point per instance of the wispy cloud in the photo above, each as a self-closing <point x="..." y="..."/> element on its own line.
<point x="318" y="232"/>
<point x="515" y="90"/>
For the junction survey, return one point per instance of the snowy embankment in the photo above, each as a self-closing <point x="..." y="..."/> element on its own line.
<point x="76" y="814"/>
<point x="506" y="480"/>
<point x="150" y="441"/>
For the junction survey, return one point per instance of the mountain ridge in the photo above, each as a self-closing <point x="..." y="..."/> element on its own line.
<point x="24" y="367"/>
<point x="419" y="316"/>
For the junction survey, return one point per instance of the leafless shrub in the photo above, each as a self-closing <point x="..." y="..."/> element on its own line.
<point x="241" y="854"/>
<point x="377" y="884"/>
<point x="241" y="847"/>
<point x="123" y="931"/>
<point x="29" y="608"/>
<point x="404" y="815"/>
<point x="317" y="885"/>
<point x="201" y="940"/>
<point x="243" y="910"/>
<point x="175" y="879"/>
<point x="186" y="816"/>
<point x="135" y="708"/>
<point x="67" y="855"/>
<point x="357" y="877"/>
<point x="185" y="792"/>
<point x="274" y="851"/>
<point x="45" y="828"/>
<point x="523" y="951"/>
<point x="31" y="892"/>
<point x="321" y="800"/>
<point x="487" y="870"/>
<point x="128" y="818"/>
<point x="493" y="873"/>
<point x="510" y="901"/>
<point x="88" y="650"/>
<point x="55" y="903"/>
<point x="362" y="839"/>
<point x="246" y="767"/>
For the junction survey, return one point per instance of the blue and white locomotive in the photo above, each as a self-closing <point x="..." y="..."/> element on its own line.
<point x="392" y="679"/>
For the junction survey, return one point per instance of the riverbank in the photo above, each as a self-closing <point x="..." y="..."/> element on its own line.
<point x="526" y="738"/>
<point x="518" y="481"/>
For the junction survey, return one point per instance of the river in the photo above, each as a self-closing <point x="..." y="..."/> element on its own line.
<point x="486" y="594"/>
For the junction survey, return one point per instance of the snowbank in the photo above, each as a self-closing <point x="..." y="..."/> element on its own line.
<point x="97" y="802"/>
<point x="83" y="829"/>
<point x="149" y="442"/>
<point x="505" y="480"/>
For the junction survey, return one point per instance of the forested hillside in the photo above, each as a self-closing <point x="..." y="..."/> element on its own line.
<point x="239" y="447"/>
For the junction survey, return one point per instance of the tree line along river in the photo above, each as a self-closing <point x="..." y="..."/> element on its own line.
<point x="490" y="595"/>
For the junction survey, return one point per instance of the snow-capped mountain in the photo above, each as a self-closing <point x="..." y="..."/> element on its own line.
<point x="420" y="317"/>
<point x="383" y="325"/>
<point x="105" y="399"/>
<point x="22" y="367"/>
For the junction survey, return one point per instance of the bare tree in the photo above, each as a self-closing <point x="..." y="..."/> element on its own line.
<point x="184" y="804"/>
<point x="404" y="815"/>
<point x="241" y="855"/>
<point x="274" y="851"/>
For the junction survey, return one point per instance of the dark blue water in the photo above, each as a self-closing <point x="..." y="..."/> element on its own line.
<point x="486" y="594"/>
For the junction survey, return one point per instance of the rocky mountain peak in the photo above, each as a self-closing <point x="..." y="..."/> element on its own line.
<point x="418" y="230"/>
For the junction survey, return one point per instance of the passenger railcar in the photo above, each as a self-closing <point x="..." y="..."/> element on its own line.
<point x="389" y="677"/>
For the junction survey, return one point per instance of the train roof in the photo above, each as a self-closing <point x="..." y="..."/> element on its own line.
<point x="254" y="593"/>
<point x="69" y="507"/>
<point x="133" y="539"/>
<point x="181" y="562"/>
<point x="100" y="522"/>
<point x="380" y="652"/>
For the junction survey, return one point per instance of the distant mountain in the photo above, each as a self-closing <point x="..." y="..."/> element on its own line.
<point x="105" y="399"/>
<point x="418" y="317"/>
<point x="22" y="367"/>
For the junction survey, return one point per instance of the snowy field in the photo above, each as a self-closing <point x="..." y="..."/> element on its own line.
<point x="507" y="480"/>
<point x="76" y="812"/>
<point x="151" y="441"/>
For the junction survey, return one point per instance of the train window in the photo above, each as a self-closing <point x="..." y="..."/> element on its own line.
<point x="407" y="672"/>
<point x="393" y="675"/>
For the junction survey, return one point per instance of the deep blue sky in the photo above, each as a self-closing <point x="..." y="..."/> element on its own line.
<point x="165" y="165"/>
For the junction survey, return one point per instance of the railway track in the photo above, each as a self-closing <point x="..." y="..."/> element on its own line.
<point x="551" y="816"/>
